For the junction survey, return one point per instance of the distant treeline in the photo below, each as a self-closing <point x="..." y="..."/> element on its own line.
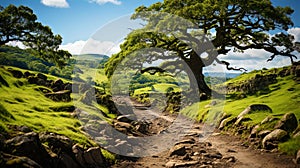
<point x="22" y="58"/>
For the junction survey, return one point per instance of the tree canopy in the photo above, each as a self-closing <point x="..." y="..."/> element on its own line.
<point x="20" y="24"/>
<point x="213" y="27"/>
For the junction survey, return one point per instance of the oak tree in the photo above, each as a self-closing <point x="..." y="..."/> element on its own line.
<point x="20" y="24"/>
<point x="226" y="25"/>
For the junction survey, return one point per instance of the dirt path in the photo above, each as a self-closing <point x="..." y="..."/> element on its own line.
<point x="248" y="157"/>
<point x="217" y="150"/>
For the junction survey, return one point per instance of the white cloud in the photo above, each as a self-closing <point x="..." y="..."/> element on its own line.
<point x="254" y="59"/>
<point x="91" y="46"/>
<point x="101" y="2"/>
<point x="74" y="48"/>
<point x="56" y="3"/>
<point x="16" y="44"/>
<point x="296" y="32"/>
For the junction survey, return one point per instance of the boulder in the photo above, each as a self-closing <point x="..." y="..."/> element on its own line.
<point x="63" y="95"/>
<point x="268" y="119"/>
<point x="57" y="142"/>
<point x="16" y="73"/>
<point x="272" y="139"/>
<point x="227" y="122"/>
<point x="254" y="108"/>
<point x="179" y="150"/>
<point x="263" y="133"/>
<point x="17" y="161"/>
<point x="296" y="133"/>
<point x="297" y="160"/>
<point x="78" y="151"/>
<point x="66" y="161"/>
<point x="241" y="119"/>
<point x="57" y="85"/>
<point x="27" y="74"/>
<point x="288" y="122"/>
<point x="93" y="157"/>
<point x="41" y="76"/>
<point x="29" y="145"/>
<point x="187" y="141"/>
<point x="32" y="80"/>
<point x="254" y="131"/>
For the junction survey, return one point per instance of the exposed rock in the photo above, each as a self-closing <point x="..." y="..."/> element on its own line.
<point x="125" y="109"/>
<point x="170" y="164"/>
<point x="88" y="96"/>
<point x="74" y="87"/>
<point x="142" y="127"/>
<point x="57" y="85"/>
<point x="32" y="80"/>
<point x="187" y="141"/>
<point x="84" y="87"/>
<point x="263" y="133"/>
<point x="17" y="161"/>
<point x="18" y="128"/>
<point x="58" y="143"/>
<point x="123" y="125"/>
<point x="268" y="119"/>
<point x="296" y="133"/>
<point x="254" y="108"/>
<point x="227" y="122"/>
<point x="179" y="150"/>
<point x="124" y="118"/>
<point x="93" y="157"/>
<point x="253" y="85"/>
<point x="242" y="119"/>
<point x="16" y="73"/>
<point x="27" y="74"/>
<point x="29" y="145"/>
<point x="63" y="95"/>
<point x="66" y="161"/>
<point x="216" y="155"/>
<point x="78" y="152"/>
<point x="254" y="131"/>
<point x="186" y="164"/>
<point x="297" y="160"/>
<point x="224" y="116"/>
<point x="67" y="86"/>
<point x="43" y="89"/>
<point x="288" y="122"/>
<point x="41" y="76"/>
<point x="229" y="159"/>
<point x="272" y="139"/>
<point x="67" y="108"/>
<point x="3" y="82"/>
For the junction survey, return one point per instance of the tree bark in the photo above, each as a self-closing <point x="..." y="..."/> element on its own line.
<point x="196" y="76"/>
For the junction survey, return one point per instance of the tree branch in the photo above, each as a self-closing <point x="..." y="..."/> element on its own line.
<point x="230" y="68"/>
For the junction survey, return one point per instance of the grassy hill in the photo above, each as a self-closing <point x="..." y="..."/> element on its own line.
<point x="277" y="88"/>
<point x="22" y="103"/>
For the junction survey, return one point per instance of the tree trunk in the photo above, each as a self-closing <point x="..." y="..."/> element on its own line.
<point x="196" y="76"/>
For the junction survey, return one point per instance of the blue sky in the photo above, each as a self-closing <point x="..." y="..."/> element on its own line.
<point x="77" y="20"/>
<point x="80" y="18"/>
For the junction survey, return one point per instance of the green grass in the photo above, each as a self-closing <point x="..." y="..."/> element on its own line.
<point x="283" y="97"/>
<point x="290" y="147"/>
<point x="24" y="105"/>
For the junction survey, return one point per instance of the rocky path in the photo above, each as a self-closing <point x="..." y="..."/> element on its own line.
<point x="194" y="149"/>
